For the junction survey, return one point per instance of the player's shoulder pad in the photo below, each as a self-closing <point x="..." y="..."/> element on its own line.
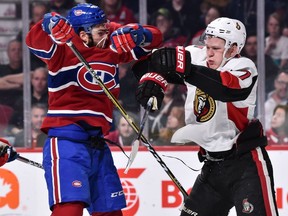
<point x="198" y="54"/>
<point x="242" y="63"/>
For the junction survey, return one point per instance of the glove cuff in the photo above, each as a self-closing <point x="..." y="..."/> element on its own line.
<point x="155" y="77"/>
<point x="183" y="61"/>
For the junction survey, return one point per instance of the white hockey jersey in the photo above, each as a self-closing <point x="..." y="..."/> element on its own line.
<point x="217" y="110"/>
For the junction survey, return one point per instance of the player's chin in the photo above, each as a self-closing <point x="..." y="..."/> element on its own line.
<point x="213" y="66"/>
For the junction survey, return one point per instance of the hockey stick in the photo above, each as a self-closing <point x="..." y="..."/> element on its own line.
<point x="135" y="144"/>
<point x="6" y="148"/>
<point x="127" y="117"/>
<point x="30" y="162"/>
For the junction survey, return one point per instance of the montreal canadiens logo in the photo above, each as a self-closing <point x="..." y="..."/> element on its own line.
<point x="77" y="183"/>
<point x="204" y="106"/>
<point x="107" y="73"/>
<point x="78" y="12"/>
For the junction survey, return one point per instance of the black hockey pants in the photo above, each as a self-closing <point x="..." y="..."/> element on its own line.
<point x="244" y="181"/>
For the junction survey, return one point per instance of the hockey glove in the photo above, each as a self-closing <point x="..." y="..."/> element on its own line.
<point x="167" y="61"/>
<point x="151" y="84"/>
<point x="7" y="152"/>
<point x="126" y="38"/>
<point x="58" y="28"/>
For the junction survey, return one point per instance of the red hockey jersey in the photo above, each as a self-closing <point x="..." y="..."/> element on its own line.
<point x="73" y="93"/>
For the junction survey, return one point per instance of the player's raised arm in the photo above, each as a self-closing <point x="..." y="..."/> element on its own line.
<point x="135" y="38"/>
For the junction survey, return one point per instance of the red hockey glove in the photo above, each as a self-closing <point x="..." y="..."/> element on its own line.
<point x="126" y="38"/>
<point x="171" y="60"/>
<point x="151" y="84"/>
<point x="7" y="152"/>
<point x="58" y="27"/>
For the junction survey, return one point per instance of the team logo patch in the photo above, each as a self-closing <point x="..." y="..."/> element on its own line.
<point x="204" y="106"/>
<point x="77" y="183"/>
<point x="107" y="73"/>
<point x="247" y="207"/>
<point x="78" y="12"/>
<point x="238" y="26"/>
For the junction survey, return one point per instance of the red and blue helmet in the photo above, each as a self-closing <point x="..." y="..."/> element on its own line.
<point x="85" y="16"/>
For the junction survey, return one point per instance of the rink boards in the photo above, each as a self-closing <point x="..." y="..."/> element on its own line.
<point x="148" y="188"/>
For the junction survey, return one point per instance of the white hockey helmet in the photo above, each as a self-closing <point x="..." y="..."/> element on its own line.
<point x="231" y="30"/>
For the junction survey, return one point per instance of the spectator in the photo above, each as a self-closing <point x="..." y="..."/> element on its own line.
<point x="124" y="134"/>
<point x="14" y="53"/>
<point x="278" y="96"/>
<point x="37" y="13"/>
<point x="278" y="133"/>
<point x="246" y="11"/>
<point x="10" y="82"/>
<point x="212" y="14"/>
<point x="218" y="3"/>
<point x="285" y="30"/>
<point x="128" y="85"/>
<point x="175" y="120"/>
<point x="38" y="112"/>
<point x="117" y="12"/>
<point x="61" y="6"/>
<point x="39" y="94"/>
<point x="271" y="69"/>
<point x="186" y="15"/>
<point x="163" y="20"/>
<point x="5" y="112"/>
<point x="39" y="81"/>
<point x="158" y="120"/>
<point x="276" y="44"/>
<point x="152" y="6"/>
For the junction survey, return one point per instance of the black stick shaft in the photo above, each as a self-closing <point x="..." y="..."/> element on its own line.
<point x="127" y="117"/>
<point x="30" y="162"/>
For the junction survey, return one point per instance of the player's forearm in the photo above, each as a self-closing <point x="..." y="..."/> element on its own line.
<point x="153" y="37"/>
<point x="40" y="43"/>
<point x="210" y="81"/>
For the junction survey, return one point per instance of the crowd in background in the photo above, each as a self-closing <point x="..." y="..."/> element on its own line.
<point x="182" y="22"/>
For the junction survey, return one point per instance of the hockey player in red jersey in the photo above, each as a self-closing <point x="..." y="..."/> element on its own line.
<point x="79" y="168"/>
<point x="219" y="112"/>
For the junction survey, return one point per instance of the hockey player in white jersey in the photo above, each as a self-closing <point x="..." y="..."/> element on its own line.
<point x="219" y="114"/>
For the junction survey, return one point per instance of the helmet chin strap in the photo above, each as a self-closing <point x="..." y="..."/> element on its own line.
<point x="224" y="59"/>
<point x="101" y="41"/>
<point x="90" y="43"/>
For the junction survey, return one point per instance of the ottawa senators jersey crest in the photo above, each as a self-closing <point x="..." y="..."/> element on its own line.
<point x="204" y="106"/>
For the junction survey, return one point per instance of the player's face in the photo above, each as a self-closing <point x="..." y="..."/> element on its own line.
<point x="99" y="35"/>
<point x="215" y="50"/>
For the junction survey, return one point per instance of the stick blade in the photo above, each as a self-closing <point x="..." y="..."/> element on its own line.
<point x="134" y="150"/>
